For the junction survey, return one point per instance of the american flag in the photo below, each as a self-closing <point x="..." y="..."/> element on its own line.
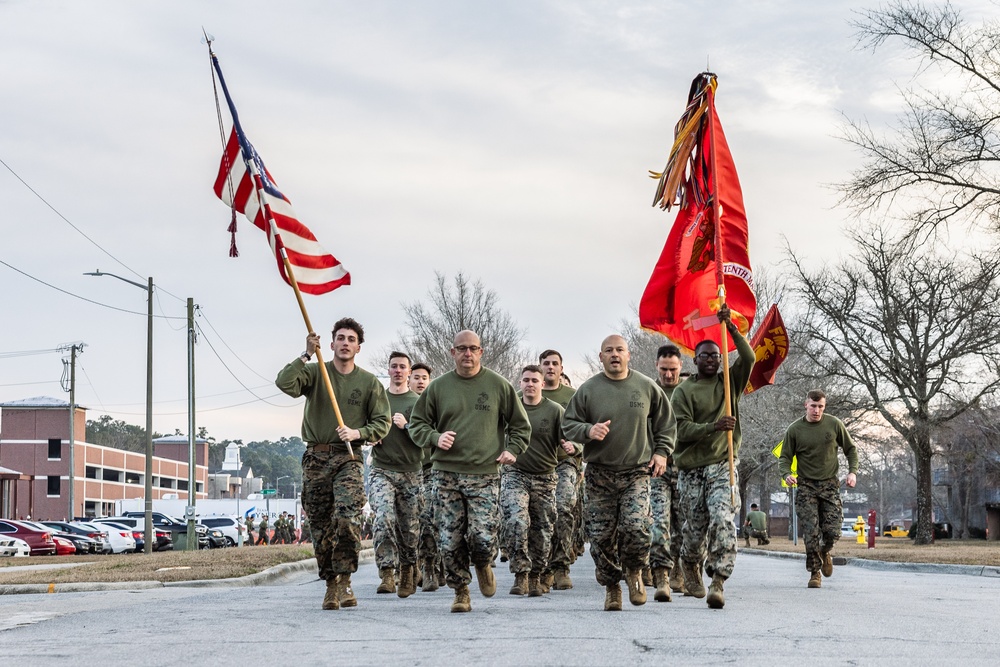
<point x="245" y="184"/>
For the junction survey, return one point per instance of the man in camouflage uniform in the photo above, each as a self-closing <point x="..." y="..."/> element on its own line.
<point x="304" y="534"/>
<point x="262" y="533"/>
<point x="431" y="567"/>
<point x="627" y="429"/>
<point x="568" y="472"/>
<point x="665" y="530"/>
<point x="250" y="528"/>
<point x="279" y="529"/>
<point x="756" y="526"/>
<point x="702" y="456"/>
<point x="528" y="487"/>
<point x="474" y="421"/>
<point x="332" y="480"/>
<point x="814" y="441"/>
<point x="395" y="487"/>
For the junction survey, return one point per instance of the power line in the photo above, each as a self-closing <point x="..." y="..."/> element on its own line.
<point x="250" y="391"/>
<point x="26" y="353"/>
<point x="201" y="312"/>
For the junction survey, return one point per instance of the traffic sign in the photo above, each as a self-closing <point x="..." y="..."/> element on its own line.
<point x="268" y="492"/>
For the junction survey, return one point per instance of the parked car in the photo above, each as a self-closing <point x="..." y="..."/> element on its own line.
<point x="847" y="529"/>
<point x="120" y="537"/>
<point x="64" y="547"/>
<point x="98" y="535"/>
<point x="895" y="530"/>
<point x="230" y="527"/>
<point x="163" y="541"/>
<point x="13" y="546"/>
<point x="81" y="543"/>
<point x="137" y="535"/>
<point x="174" y="526"/>
<point x="39" y="541"/>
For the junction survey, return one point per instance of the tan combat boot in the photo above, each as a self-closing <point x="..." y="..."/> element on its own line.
<point x="647" y="577"/>
<point x="716" y="599"/>
<point x="693" y="584"/>
<point x="462" y="602"/>
<point x="487" y="582"/>
<point x="534" y="586"/>
<point x="827" y="568"/>
<point x="546" y="581"/>
<point x="430" y="578"/>
<point x="636" y="589"/>
<point x="677" y="578"/>
<point x="815" y="580"/>
<point x="330" y="599"/>
<point x="662" y="593"/>
<point x="407" y="585"/>
<point x="613" y="598"/>
<point x="388" y="584"/>
<point x="561" y="580"/>
<point x="344" y="592"/>
<point x="520" y="586"/>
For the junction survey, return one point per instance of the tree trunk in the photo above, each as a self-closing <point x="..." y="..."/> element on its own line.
<point x="925" y="498"/>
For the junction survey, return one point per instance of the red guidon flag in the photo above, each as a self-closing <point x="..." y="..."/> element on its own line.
<point x="246" y="185"/>
<point x="770" y="346"/>
<point x="708" y="245"/>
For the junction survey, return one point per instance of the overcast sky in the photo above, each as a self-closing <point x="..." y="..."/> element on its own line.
<point x="508" y="140"/>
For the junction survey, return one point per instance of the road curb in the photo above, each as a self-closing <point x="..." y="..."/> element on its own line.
<point x="263" y="578"/>
<point x="870" y="564"/>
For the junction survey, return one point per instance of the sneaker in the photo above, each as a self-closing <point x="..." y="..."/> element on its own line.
<point x="716" y="599"/>
<point x="388" y="584"/>
<point x="487" y="582"/>
<point x="462" y="602"/>
<point x="827" y="568"/>
<point x="561" y="580"/>
<point x="330" y="599"/>
<point x="344" y="591"/>
<point x="636" y="589"/>
<point x="613" y="598"/>
<point x="520" y="586"/>
<point x="815" y="580"/>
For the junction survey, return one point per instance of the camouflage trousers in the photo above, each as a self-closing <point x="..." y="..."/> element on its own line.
<point x="528" y="505"/>
<point x="468" y="518"/>
<point x="562" y="552"/>
<point x="709" y="510"/>
<point x="333" y="495"/>
<point x="820" y="511"/>
<point x="579" y="518"/>
<point x="395" y="500"/>
<point x="617" y="520"/>
<point x="427" y="546"/>
<point x="664" y="530"/>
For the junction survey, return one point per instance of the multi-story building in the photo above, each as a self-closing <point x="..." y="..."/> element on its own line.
<point x="35" y="451"/>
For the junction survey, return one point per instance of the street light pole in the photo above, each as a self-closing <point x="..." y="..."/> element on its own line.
<point x="148" y="490"/>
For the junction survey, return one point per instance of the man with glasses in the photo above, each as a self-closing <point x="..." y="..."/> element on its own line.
<point x="473" y="421"/>
<point x="333" y="487"/>
<point x="627" y="429"/>
<point x="702" y="458"/>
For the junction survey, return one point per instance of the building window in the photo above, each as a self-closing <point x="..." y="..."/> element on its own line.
<point x="132" y="477"/>
<point x="55" y="449"/>
<point x="54" y="485"/>
<point x="166" y="483"/>
<point x="110" y="475"/>
<point x="92" y="473"/>
<point x="200" y="488"/>
<point x="182" y="485"/>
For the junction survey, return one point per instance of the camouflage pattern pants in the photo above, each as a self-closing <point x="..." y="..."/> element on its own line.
<point x="663" y="517"/>
<point x="617" y="520"/>
<point x="333" y="494"/>
<point x="468" y="518"/>
<point x="528" y="505"/>
<point x="564" y="531"/>
<point x="709" y="531"/>
<point x="395" y="500"/>
<point x="820" y="511"/>
<point x="427" y="546"/>
<point x="579" y="522"/>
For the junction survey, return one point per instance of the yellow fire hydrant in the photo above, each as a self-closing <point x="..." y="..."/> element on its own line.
<point x="859" y="528"/>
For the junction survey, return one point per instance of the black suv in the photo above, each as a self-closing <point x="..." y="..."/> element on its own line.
<point x="175" y="526"/>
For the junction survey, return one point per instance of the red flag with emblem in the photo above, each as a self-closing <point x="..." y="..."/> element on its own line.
<point x="770" y="346"/>
<point x="708" y="245"/>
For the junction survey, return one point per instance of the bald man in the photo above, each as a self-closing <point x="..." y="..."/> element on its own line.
<point x="627" y="429"/>
<point x="472" y="420"/>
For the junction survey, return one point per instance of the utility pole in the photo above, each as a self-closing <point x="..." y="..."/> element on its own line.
<point x="192" y="459"/>
<point x="72" y="425"/>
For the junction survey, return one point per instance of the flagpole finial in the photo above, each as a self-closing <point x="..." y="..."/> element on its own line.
<point x="207" y="39"/>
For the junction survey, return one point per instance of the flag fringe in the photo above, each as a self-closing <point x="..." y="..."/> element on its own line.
<point x="673" y="179"/>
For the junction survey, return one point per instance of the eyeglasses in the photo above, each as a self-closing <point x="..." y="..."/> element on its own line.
<point x="462" y="349"/>
<point x="710" y="356"/>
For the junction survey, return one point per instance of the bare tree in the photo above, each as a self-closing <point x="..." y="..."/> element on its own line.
<point x="456" y="305"/>
<point x="938" y="165"/>
<point x="914" y="335"/>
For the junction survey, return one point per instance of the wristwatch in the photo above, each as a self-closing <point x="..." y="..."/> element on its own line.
<point x="305" y="356"/>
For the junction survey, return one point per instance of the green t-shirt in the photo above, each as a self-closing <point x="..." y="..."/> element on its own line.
<point x="758" y="520"/>
<point x="397" y="451"/>
<point x="815" y="445"/>
<point x="642" y="422"/>
<point x="483" y="411"/>
<point x="699" y="402"/>
<point x="546" y="433"/>
<point x="360" y="396"/>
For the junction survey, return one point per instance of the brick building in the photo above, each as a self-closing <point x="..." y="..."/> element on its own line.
<point x="35" y="451"/>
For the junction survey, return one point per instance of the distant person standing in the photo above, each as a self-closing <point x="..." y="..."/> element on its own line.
<point x="756" y="526"/>
<point x="333" y="489"/>
<point x="814" y="441"/>
<point x="250" y="529"/>
<point x="474" y="422"/>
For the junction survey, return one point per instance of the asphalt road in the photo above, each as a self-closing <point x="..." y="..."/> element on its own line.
<point x="860" y="616"/>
